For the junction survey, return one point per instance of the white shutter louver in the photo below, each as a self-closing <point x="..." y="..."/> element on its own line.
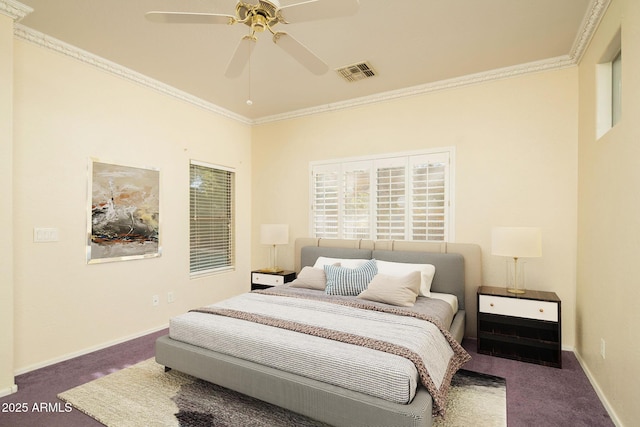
<point x="429" y="196"/>
<point x="391" y="203"/>
<point x="325" y="203"/>
<point x="356" y="209"/>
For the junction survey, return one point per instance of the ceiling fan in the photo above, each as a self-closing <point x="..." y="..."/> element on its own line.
<point x="261" y="15"/>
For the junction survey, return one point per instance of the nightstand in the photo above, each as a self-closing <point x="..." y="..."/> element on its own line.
<point x="263" y="279"/>
<point x="523" y="327"/>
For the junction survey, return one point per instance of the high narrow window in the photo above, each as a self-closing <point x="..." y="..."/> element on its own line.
<point x="211" y="220"/>
<point x="394" y="197"/>
<point x="616" y="89"/>
<point x="609" y="87"/>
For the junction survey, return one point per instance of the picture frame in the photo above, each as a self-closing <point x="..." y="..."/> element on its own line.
<point x="123" y="212"/>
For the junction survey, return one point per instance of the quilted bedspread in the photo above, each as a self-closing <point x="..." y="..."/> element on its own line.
<point x="373" y="348"/>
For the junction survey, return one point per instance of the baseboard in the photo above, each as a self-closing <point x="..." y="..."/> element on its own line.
<point x="102" y="346"/>
<point x="612" y="414"/>
<point x="9" y="390"/>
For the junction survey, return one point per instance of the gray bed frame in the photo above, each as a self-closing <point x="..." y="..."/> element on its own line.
<point x="324" y="402"/>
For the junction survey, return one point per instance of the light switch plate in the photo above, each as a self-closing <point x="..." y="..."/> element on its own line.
<point x="41" y="235"/>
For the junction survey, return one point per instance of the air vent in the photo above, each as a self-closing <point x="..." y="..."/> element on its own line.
<point x="355" y="72"/>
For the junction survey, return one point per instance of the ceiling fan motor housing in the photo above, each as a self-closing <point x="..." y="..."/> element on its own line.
<point x="259" y="17"/>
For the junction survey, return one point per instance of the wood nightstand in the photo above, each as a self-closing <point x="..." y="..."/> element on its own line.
<point x="263" y="279"/>
<point x="523" y="327"/>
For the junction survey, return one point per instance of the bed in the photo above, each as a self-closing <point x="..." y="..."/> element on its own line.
<point x="333" y="402"/>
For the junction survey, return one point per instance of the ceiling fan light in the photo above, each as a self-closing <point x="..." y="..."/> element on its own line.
<point x="258" y="23"/>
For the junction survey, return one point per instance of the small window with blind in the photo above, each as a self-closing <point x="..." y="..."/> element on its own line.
<point x="393" y="197"/>
<point x="211" y="219"/>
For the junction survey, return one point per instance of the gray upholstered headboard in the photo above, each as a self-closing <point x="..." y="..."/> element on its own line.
<point x="449" y="277"/>
<point x="309" y="254"/>
<point x="348" y="248"/>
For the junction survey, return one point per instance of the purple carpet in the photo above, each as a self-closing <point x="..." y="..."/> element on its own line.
<point x="536" y="395"/>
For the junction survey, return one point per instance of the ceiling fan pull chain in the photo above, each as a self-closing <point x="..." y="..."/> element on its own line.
<point x="249" y="100"/>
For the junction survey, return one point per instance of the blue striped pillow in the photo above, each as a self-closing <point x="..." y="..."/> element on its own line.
<point x="349" y="281"/>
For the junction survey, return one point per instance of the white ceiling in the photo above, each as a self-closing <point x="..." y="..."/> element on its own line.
<point x="413" y="45"/>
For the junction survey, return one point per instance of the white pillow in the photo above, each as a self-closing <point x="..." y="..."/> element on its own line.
<point x="427" y="271"/>
<point x="342" y="262"/>
<point x="395" y="290"/>
<point x="310" y="278"/>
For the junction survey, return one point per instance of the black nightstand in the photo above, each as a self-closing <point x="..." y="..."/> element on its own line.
<point x="523" y="327"/>
<point x="265" y="279"/>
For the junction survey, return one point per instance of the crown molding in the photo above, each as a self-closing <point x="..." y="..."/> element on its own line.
<point x="470" y="79"/>
<point x="589" y="26"/>
<point x="14" y="10"/>
<point x="27" y="34"/>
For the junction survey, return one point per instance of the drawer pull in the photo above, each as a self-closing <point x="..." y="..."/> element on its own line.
<point x="491" y="304"/>
<point x="542" y="310"/>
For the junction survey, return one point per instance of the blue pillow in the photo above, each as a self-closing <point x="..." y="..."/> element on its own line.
<point x="349" y="281"/>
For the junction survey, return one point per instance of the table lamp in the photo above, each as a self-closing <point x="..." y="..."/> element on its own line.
<point x="274" y="234"/>
<point x="516" y="242"/>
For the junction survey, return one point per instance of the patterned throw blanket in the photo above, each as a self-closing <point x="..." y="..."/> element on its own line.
<point x="424" y="363"/>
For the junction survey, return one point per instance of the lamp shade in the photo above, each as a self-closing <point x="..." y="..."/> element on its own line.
<point x="274" y="234"/>
<point x="516" y="242"/>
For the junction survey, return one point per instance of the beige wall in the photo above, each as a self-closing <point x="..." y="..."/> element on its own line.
<point x="65" y="112"/>
<point x="516" y="164"/>
<point x="608" y="290"/>
<point x="6" y="212"/>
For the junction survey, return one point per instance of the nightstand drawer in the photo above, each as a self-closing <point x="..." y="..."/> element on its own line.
<point x="529" y="309"/>
<point x="267" y="279"/>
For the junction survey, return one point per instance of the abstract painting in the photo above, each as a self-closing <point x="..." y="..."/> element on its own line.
<point x="124" y="212"/>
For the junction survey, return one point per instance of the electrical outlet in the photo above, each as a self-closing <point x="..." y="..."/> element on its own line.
<point x="603" y="345"/>
<point x="155" y="300"/>
<point x="171" y="297"/>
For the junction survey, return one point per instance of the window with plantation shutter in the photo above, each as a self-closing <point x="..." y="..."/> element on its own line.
<point x="211" y="219"/>
<point x="391" y="199"/>
<point x="356" y="201"/>
<point x="430" y="207"/>
<point x="402" y="196"/>
<point x="325" y="202"/>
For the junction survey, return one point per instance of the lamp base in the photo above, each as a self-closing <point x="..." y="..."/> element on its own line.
<point x="516" y="291"/>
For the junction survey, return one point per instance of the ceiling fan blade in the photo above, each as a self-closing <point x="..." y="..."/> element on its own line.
<point x="240" y="56"/>
<point x="189" y="18"/>
<point x="300" y="53"/>
<point x="317" y="9"/>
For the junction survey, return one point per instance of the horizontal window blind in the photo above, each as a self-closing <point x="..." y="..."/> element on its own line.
<point x="211" y="221"/>
<point x="394" y="197"/>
